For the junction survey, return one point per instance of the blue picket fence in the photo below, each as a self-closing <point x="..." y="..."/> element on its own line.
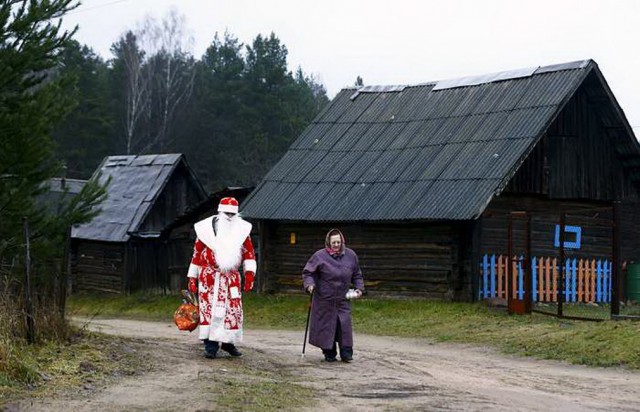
<point x="586" y="280"/>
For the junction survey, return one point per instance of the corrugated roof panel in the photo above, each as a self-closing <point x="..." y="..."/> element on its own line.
<point x="378" y="168"/>
<point x="526" y="122"/>
<point x="448" y="102"/>
<point x="336" y="108"/>
<point x="401" y="103"/>
<point x="445" y="159"/>
<point x="514" y="91"/>
<point x="487" y="129"/>
<point x="317" y="199"/>
<point x="273" y="196"/>
<point x="301" y="208"/>
<point x="493" y="93"/>
<point x="256" y="202"/>
<point x="326" y="207"/>
<point x="459" y="166"/>
<point x="387" y="137"/>
<point x="422" y="160"/>
<point x="305" y="166"/>
<point x="389" y="200"/>
<point x="361" y="167"/>
<point x="417" y="98"/>
<point x="486" y="156"/>
<point x="400" y="162"/>
<point x="419" y="153"/>
<point x="286" y="163"/>
<point x="369" y="137"/>
<point x="437" y="203"/>
<point x="380" y="110"/>
<point x="476" y="199"/>
<point x="550" y="88"/>
<point x="448" y="131"/>
<point x="368" y="200"/>
<point x="511" y="152"/>
<point x="468" y="126"/>
<point x="354" y="109"/>
<point x="456" y="199"/>
<point x="332" y="136"/>
<point x="345" y="209"/>
<point x="353" y="135"/>
<point x="428" y="129"/>
<point x="472" y="98"/>
<point x="405" y="135"/>
<point x="325" y="169"/>
<point x="410" y="200"/>
<point x="424" y="109"/>
<point x="311" y="135"/>
<point x="342" y="167"/>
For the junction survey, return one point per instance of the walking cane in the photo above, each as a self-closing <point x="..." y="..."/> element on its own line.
<point x="306" y="328"/>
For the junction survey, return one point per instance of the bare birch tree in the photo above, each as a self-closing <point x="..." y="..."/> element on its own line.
<point x="159" y="79"/>
<point x="136" y="86"/>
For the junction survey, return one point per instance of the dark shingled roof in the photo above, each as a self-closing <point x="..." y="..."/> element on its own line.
<point x="136" y="182"/>
<point x="437" y="150"/>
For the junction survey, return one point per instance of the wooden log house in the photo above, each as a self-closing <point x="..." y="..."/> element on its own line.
<point x="127" y="247"/>
<point x="422" y="179"/>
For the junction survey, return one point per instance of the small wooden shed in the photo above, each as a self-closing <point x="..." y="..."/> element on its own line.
<point x="422" y="178"/>
<point x="125" y="248"/>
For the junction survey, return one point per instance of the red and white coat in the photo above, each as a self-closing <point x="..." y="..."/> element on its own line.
<point x="219" y="293"/>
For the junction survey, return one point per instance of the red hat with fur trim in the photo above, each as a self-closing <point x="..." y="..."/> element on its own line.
<point x="228" y="205"/>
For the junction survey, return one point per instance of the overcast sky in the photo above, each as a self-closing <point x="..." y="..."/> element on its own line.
<point x="404" y="41"/>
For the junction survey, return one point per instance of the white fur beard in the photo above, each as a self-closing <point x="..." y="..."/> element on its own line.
<point x="228" y="246"/>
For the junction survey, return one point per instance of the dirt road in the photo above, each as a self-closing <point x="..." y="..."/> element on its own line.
<point x="387" y="374"/>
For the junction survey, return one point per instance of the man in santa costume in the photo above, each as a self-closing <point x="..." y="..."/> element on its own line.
<point x="222" y="244"/>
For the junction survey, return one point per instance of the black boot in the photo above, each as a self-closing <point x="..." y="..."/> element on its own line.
<point x="330" y="354"/>
<point x="346" y="353"/>
<point x="210" y="349"/>
<point x="231" y="349"/>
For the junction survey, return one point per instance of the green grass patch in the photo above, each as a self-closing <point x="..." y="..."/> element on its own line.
<point x="253" y="388"/>
<point x="52" y="366"/>
<point x="608" y="343"/>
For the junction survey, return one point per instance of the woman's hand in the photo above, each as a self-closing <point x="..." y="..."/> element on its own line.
<point x="310" y="289"/>
<point x="359" y="293"/>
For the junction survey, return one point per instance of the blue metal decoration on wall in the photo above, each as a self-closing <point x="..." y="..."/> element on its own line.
<point x="577" y="230"/>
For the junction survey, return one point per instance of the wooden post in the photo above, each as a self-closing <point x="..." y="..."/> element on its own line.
<point x="64" y="275"/>
<point x="616" y="294"/>
<point x="31" y="336"/>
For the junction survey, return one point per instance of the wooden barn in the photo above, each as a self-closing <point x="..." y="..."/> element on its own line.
<point x="127" y="247"/>
<point x="423" y="180"/>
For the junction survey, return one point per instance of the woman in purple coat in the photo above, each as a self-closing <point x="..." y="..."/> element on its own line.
<point x="328" y="275"/>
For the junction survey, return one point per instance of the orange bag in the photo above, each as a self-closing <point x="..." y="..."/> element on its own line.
<point x="186" y="317"/>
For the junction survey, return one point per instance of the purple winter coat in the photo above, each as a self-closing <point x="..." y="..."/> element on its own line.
<point x="332" y="276"/>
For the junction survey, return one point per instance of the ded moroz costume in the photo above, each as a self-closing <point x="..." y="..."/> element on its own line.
<point x="222" y="245"/>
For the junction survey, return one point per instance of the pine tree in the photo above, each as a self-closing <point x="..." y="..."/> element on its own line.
<point x="32" y="102"/>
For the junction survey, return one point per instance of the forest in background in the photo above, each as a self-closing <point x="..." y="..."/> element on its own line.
<point x="233" y="111"/>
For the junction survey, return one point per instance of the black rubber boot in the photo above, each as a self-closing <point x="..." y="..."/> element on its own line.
<point x="231" y="349"/>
